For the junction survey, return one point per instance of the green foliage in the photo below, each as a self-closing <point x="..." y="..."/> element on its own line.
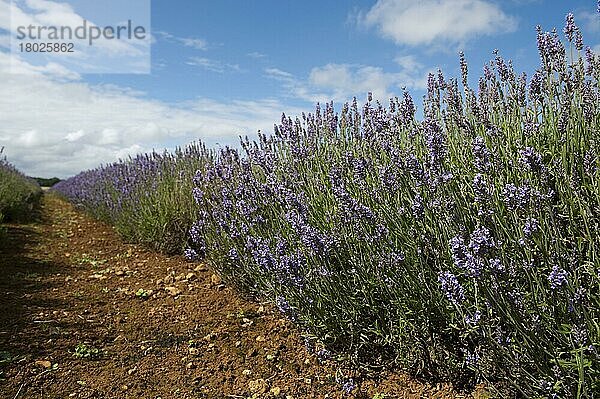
<point x="45" y="182"/>
<point x="83" y="351"/>
<point x="148" y="198"/>
<point x="141" y="293"/>
<point x="19" y="195"/>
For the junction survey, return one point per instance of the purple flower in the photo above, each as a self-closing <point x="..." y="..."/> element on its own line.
<point x="190" y="254"/>
<point x="531" y="158"/>
<point x="578" y="40"/>
<point x="196" y="232"/>
<point x="407" y="108"/>
<point x="323" y="355"/>
<point x="458" y="251"/>
<point x="473" y="320"/>
<point x="557" y="277"/>
<point x="505" y="72"/>
<point x="482" y="194"/>
<point x="481" y="241"/>
<point x="496" y="265"/>
<point x="435" y="141"/>
<point x="472" y="359"/>
<point x="451" y="287"/>
<point x="570" y="27"/>
<point x="233" y="255"/>
<point x="349" y="385"/>
<point x="283" y="306"/>
<point x="418" y="207"/>
<point x="536" y="85"/>
<point x="531" y="226"/>
<point x="516" y="198"/>
<point x="481" y="154"/>
<point x="464" y="70"/>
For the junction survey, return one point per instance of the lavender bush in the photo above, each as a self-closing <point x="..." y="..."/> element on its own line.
<point x="460" y="247"/>
<point x="148" y="198"/>
<point x="19" y="195"/>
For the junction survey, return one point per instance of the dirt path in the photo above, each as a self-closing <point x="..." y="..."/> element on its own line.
<point x="72" y="326"/>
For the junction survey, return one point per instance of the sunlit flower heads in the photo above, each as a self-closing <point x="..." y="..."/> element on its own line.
<point x="191" y="254"/>
<point x="530" y="158"/>
<point x="435" y="141"/>
<point x="481" y="154"/>
<point x="348" y="386"/>
<point x="481" y="241"/>
<point x="531" y="227"/>
<point x="570" y="27"/>
<point x="451" y="287"/>
<point x="516" y="197"/>
<point x="557" y="277"/>
<point x="536" y="85"/>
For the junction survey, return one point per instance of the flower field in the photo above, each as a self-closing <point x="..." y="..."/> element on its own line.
<point x="19" y="195"/>
<point x="461" y="245"/>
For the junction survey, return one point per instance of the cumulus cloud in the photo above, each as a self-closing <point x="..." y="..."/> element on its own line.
<point x="438" y="22"/>
<point x="342" y="82"/>
<point x="52" y="125"/>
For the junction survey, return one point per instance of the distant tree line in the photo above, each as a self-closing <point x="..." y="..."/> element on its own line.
<point x="46" y="182"/>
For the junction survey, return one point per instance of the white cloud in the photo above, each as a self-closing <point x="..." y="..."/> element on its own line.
<point x="590" y="21"/>
<point x="194" y="42"/>
<point x="198" y="44"/>
<point x="437" y="22"/>
<point x="57" y="71"/>
<point x="408" y="63"/>
<point x="256" y="55"/>
<point x="54" y="126"/>
<point x="75" y="136"/>
<point x="342" y="82"/>
<point x="278" y="74"/>
<point x="213" y="65"/>
<point x="345" y="81"/>
<point x="5" y="41"/>
<point x="105" y="55"/>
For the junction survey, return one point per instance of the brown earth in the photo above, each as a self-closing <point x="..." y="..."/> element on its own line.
<point x="72" y="326"/>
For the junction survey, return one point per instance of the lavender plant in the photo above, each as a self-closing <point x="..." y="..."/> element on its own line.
<point x="460" y="247"/>
<point x="148" y="198"/>
<point x="19" y="195"/>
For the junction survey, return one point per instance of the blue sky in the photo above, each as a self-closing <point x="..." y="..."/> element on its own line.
<point x="231" y="67"/>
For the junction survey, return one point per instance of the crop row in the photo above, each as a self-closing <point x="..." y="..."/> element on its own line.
<point x="461" y="246"/>
<point x="19" y="195"/>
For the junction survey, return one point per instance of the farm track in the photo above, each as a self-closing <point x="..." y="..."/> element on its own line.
<point x="67" y="281"/>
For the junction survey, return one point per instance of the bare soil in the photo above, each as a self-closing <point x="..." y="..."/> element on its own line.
<point x="84" y="315"/>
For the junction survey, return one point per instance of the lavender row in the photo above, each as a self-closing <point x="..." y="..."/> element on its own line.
<point x="19" y="195"/>
<point x="462" y="246"/>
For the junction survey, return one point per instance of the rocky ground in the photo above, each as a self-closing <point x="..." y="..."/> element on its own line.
<point x="83" y="315"/>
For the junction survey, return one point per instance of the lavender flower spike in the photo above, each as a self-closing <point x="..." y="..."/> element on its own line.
<point x="451" y="287"/>
<point x="557" y="277"/>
